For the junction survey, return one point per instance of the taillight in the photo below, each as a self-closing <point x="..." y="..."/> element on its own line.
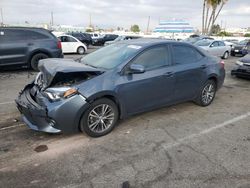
<point x="59" y="45"/>
<point x="222" y="64"/>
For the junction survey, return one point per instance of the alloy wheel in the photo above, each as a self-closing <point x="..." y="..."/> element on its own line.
<point x="208" y="93"/>
<point x="101" y="118"/>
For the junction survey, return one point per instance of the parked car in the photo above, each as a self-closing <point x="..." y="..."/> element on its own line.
<point x="71" y="44"/>
<point x="242" y="68"/>
<point x="215" y="47"/>
<point x="118" y="81"/>
<point x="195" y="38"/>
<point x="241" y="48"/>
<point x="85" y="38"/>
<point x="104" y="38"/>
<point x="25" y="46"/>
<point x="121" y="38"/>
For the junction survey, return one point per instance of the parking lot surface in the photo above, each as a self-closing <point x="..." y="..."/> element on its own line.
<point x="179" y="146"/>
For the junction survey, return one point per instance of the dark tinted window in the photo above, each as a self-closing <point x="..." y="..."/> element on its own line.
<point x="185" y="55"/>
<point x="20" y="35"/>
<point x="153" y="58"/>
<point x="67" y="39"/>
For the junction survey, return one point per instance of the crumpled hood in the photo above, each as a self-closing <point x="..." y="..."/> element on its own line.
<point x="50" y="67"/>
<point x="245" y="59"/>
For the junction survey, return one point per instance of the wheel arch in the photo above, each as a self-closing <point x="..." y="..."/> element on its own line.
<point x="214" y="78"/>
<point x="37" y="51"/>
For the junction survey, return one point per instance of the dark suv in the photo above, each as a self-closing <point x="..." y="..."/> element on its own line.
<point x="103" y="39"/>
<point x="24" y="47"/>
<point x="85" y="38"/>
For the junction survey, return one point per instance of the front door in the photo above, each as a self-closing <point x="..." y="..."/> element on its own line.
<point x="154" y="87"/>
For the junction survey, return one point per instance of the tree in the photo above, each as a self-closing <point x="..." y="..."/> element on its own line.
<point x="212" y="9"/>
<point x="247" y="35"/>
<point x="135" y="28"/>
<point x="215" y="29"/>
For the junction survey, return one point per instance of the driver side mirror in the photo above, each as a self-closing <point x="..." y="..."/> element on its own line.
<point x="211" y="46"/>
<point x="136" y="69"/>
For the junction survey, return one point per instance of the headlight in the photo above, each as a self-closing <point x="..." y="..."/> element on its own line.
<point x="245" y="48"/>
<point x="232" y="47"/>
<point x="56" y="94"/>
<point x="239" y="63"/>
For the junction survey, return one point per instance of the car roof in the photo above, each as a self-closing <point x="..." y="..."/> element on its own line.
<point x="145" y="42"/>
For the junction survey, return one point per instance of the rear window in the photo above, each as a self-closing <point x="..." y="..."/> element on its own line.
<point x="185" y="55"/>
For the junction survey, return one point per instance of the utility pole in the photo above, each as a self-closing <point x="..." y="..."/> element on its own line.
<point x="90" y="21"/>
<point x="148" y="25"/>
<point x="1" y="16"/>
<point x="52" y="19"/>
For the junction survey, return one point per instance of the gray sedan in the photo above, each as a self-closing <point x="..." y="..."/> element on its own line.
<point x="115" y="82"/>
<point x="215" y="47"/>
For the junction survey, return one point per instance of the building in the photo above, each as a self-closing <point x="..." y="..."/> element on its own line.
<point x="174" y="28"/>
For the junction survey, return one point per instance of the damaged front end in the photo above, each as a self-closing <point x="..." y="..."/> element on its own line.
<point x="52" y="103"/>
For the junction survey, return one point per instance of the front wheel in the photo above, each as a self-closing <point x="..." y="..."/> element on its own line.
<point x="207" y="93"/>
<point x="100" y="118"/>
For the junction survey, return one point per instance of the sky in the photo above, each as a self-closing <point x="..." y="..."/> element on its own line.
<point x="122" y="13"/>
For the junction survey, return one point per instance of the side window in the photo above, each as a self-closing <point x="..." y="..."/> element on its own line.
<point x="70" y="39"/>
<point x="63" y="39"/>
<point x="222" y="43"/>
<point x="153" y="58"/>
<point x="215" y="44"/>
<point x="185" y="55"/>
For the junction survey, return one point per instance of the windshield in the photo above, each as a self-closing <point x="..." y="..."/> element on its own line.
<point x="203" y="43"/>
<point x="243" y="42"/>
<point x="110" y="56"/>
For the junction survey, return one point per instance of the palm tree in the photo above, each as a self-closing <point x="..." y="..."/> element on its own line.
<point x="203" y="16"/>
<point x="214" y="4"/>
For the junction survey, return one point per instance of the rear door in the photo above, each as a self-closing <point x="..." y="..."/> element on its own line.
<point x="222" y="48"/>
<point x="152" y="88"/>
<point x="214" y="48"/>
<point x="13" y="46"/>
<point x="189" y="70"/>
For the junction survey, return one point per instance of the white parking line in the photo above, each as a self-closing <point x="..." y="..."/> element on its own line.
<point x="9" y="102"/>
<point x="206" y="131"/>
<point x="10" y="127"/>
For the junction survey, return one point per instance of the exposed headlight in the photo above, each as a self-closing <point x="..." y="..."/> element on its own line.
<point x="239" y="63"/>
<point x="55" y="94"/>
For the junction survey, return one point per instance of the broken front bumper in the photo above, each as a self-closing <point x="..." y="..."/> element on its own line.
<point x="53" y="117"/>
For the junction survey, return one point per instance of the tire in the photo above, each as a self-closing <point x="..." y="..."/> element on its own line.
<point x="95" y="123"/>
<point x="206" y="94"/>
<point x="35" y="59"/>
<point x="80" y="50"/>
<point x="225" y="55"/>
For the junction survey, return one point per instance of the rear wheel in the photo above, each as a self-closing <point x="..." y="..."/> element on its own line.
<point x="100" y="118"/>
<point x="207" y="93"/>
<point x="35" y="59"/>
<point x="226" y="55"/>
<point x="81" y="50"/>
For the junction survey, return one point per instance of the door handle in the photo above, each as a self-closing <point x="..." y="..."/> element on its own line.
<point x="203" y="66"/>
<point x="30" y="44"/>
<point x="168" y="74"/>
